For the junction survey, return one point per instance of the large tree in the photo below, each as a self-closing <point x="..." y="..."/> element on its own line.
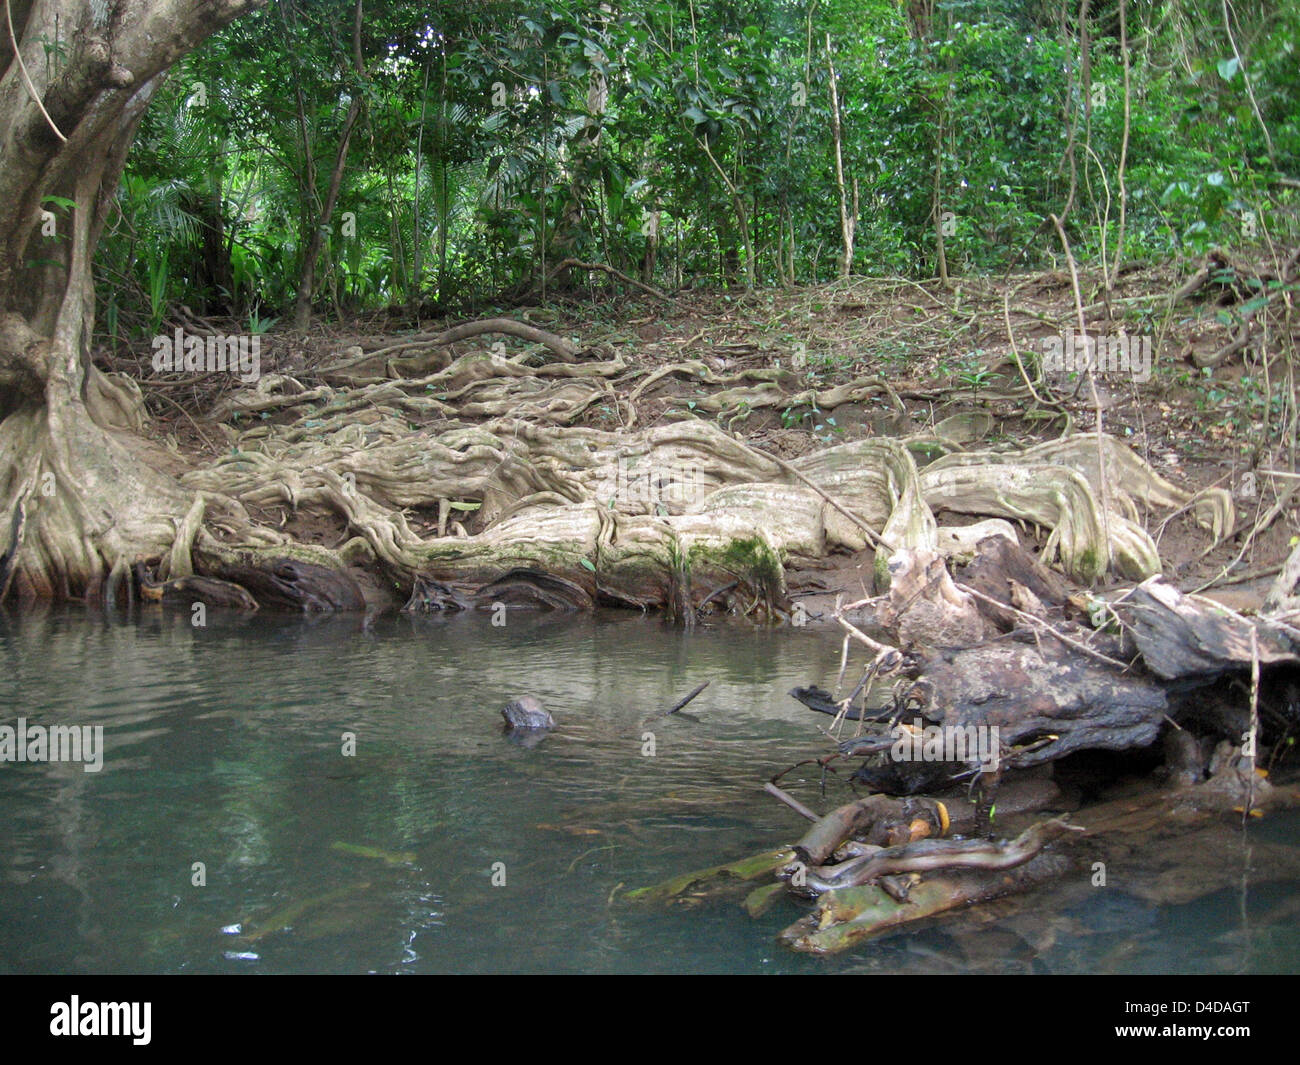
<point x="80" y="492"/>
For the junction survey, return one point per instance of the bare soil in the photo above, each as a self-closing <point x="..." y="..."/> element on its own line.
<point x="946" y="356"/>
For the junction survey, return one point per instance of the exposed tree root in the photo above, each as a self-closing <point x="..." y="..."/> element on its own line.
<point x="666" y="517"/>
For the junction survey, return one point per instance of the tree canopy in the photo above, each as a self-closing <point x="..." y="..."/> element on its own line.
<point x="354" y="155"/>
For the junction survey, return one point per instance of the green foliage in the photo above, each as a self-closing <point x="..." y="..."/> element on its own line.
<point x="496" y="139"/>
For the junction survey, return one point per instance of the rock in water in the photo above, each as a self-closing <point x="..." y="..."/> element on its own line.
<point x="527" y="713"/>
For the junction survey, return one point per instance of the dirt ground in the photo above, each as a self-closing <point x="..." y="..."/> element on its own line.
<point x="945" y="360"/>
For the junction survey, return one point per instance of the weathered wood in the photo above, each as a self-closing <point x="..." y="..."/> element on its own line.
<point x="790" y="801"/>
<point x="820" y="841"/>
<point x="716" y="878"/>
<point x="823" y="702"/>
<point x="998" y="562"/>
<point x="1029" y="692"/>
<point x="185" y="591"/>
<point x="762" y="899"/>
<point x="1187" y="636"/>
<point x="924" y="607"/>
<point x="928" y="855"/>
<point x="291" y="584"/>
<point x="876" y="819"/>
<point x="847" y="916"/>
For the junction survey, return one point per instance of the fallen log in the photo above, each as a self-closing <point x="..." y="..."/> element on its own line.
<point x="876" y="819"/>
<point x="846" y="917"/>
<point x="1030" y="692"/>
<point x="1186" y="636"/>
<point x="718" y="878"/>
<point x="928" y="855"/>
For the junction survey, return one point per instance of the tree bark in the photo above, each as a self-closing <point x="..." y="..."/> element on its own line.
<point x="316" y="237"/>
<point x="80" y="493"/>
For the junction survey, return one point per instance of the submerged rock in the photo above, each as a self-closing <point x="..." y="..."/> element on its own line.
<point x="526" y="713"/>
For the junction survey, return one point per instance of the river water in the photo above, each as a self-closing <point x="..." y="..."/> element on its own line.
<point x="280" y="795"/>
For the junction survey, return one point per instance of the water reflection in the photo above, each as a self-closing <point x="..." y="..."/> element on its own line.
<point x="289" y="795"/>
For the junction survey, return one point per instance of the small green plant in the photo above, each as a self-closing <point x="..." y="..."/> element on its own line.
<point x="831" y="430"/>
<point x="970" y="373"/>
<point x="977" y="379"/>
<point x="258" y="325"/>
<point x="893" y="352"/>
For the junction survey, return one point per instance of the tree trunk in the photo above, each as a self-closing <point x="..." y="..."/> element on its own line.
<point x="80" y="492"/>
<point x="316" y="237"/>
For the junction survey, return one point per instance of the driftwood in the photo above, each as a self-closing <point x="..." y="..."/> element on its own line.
<point x="790" y="801"/>
<point x="704" y="882"/>
<point x="1049" y="686"/>
<point x="823" y="702"/>
<point x="1004" y="572"/>
<point x="844" y="918"/>
<point x="876" y="819"/>
<point x="686" y="699"/>
<point x="930" y="854"/>
<point x="1187" y="636"/>
<point x="1028" y="692"/>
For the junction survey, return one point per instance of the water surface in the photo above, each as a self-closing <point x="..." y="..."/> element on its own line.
<point x="440" y="845"/>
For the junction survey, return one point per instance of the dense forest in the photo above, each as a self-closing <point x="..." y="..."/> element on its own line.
<point x="340" y="156"/>
<point x="809" y="224"/>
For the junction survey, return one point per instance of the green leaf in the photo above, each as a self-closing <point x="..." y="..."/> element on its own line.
<point x="1228" y="68"/>
<point x="588" y="564"/>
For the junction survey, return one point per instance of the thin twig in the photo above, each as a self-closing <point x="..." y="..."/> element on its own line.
<point x="790" y="801"/>
<point x="22" y="69"/>
<point x="1045" y="627"/>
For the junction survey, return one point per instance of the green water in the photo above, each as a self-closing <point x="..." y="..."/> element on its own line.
<point x="228" y="746"/>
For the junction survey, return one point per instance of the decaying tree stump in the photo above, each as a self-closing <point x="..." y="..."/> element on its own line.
<point x="1187" y="636"/>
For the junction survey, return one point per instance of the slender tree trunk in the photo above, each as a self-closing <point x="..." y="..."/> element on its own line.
<point x="417" y="254"/>
<point x="316" y="238"/>
<point x="848" y="222"/>
<point x="940" y="249"/>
